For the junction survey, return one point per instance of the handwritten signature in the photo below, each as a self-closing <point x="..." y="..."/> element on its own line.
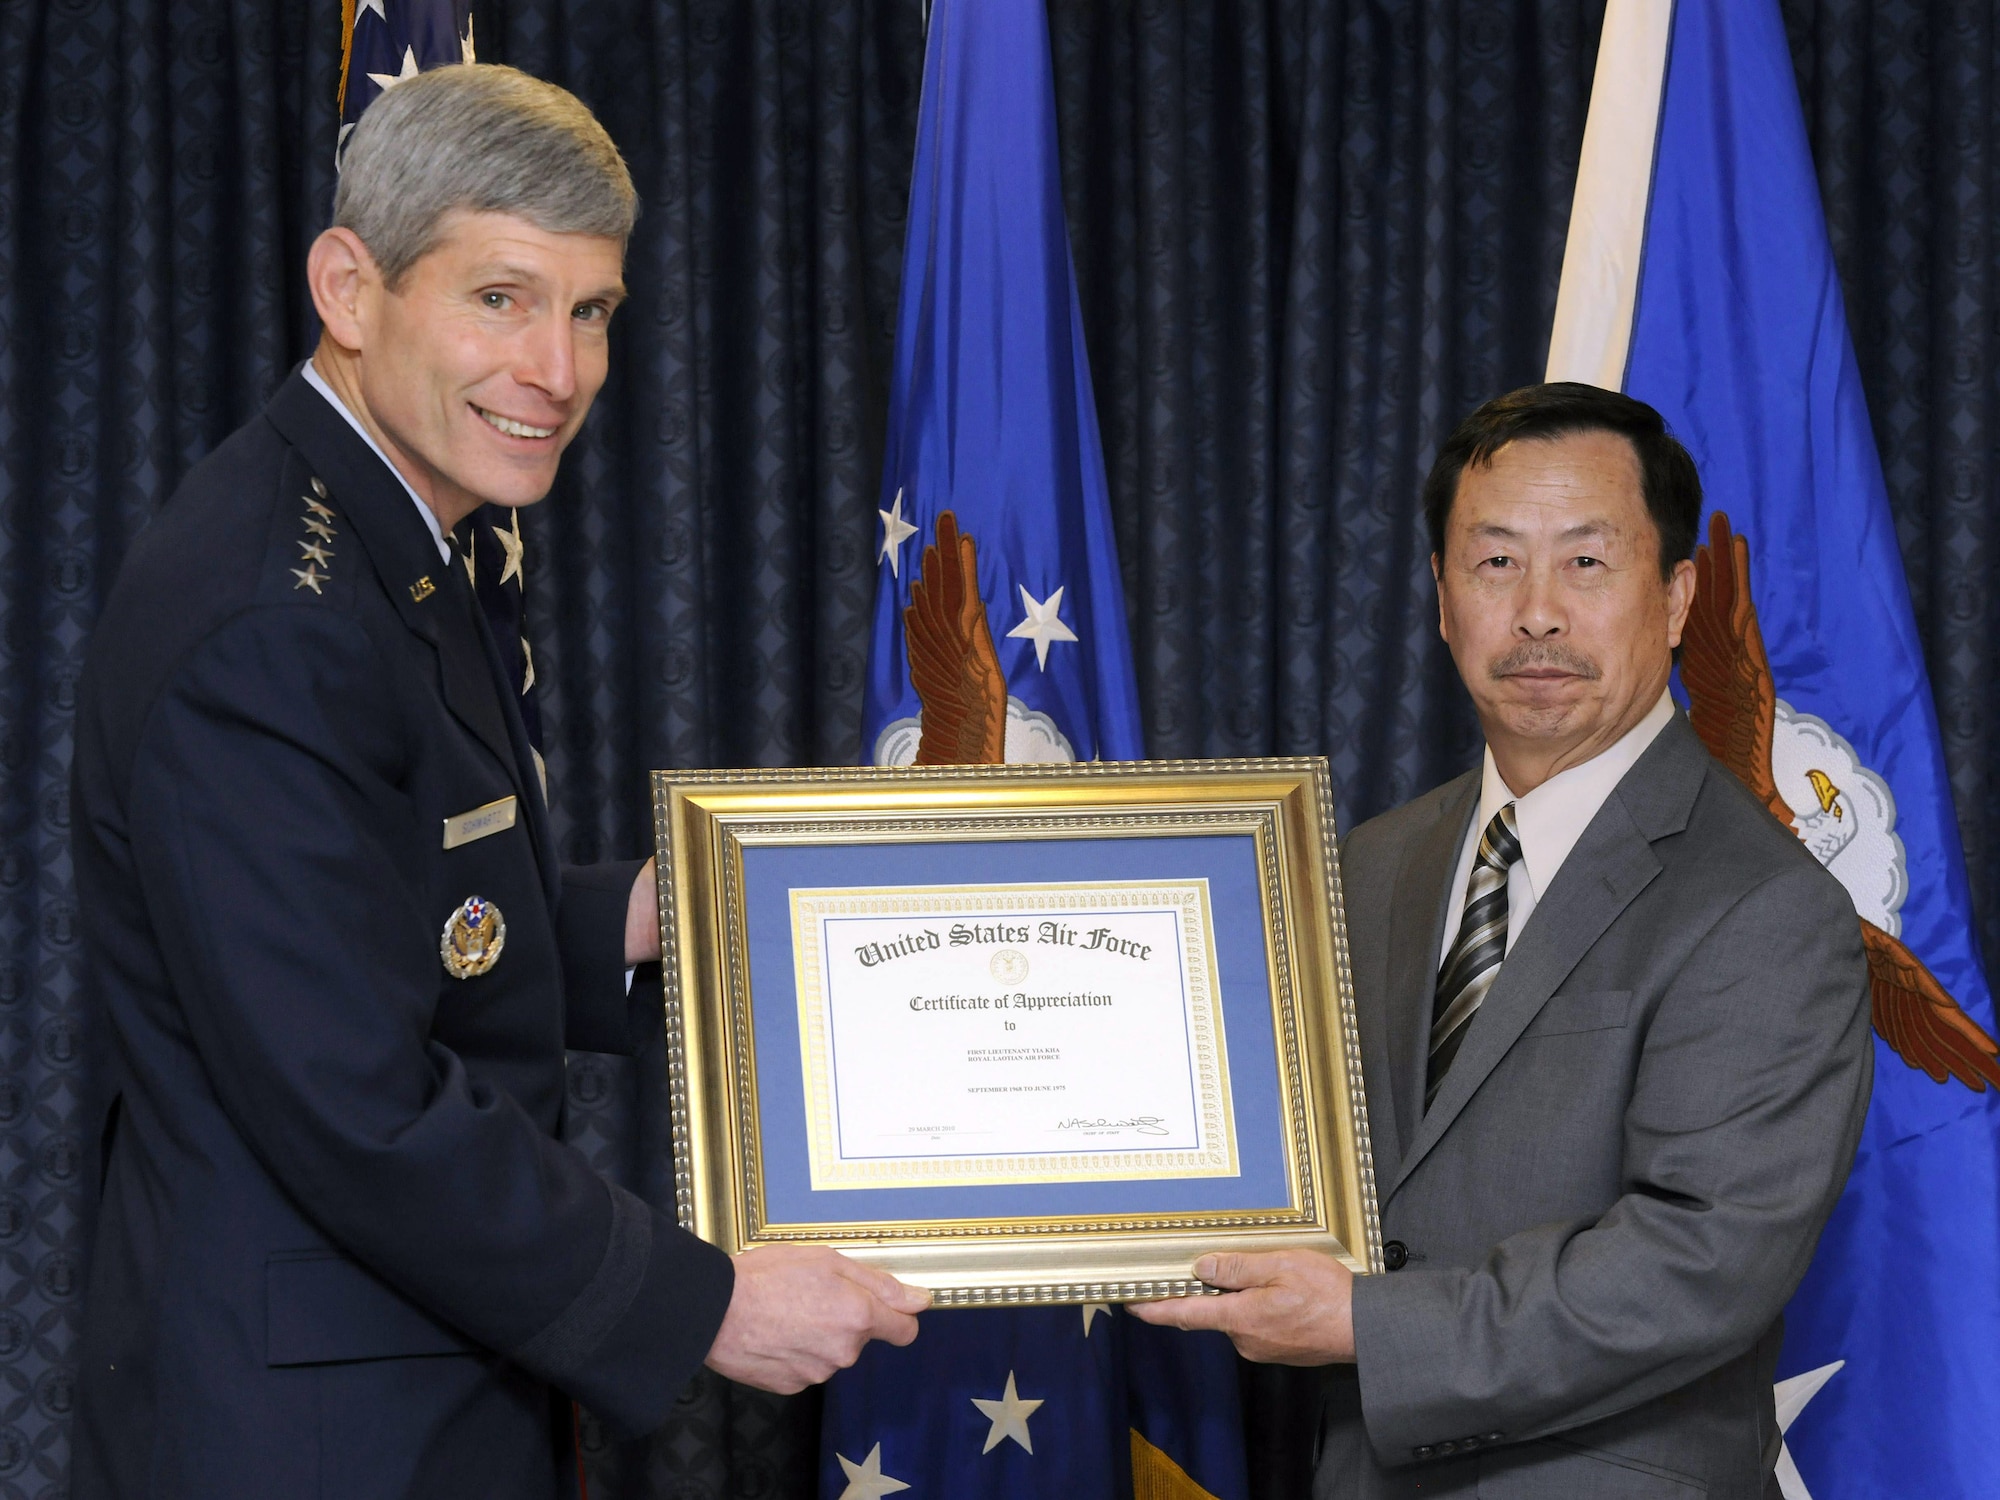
<point x="1143" y="1124"/>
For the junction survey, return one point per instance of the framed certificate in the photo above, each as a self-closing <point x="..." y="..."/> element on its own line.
<point x="1017" y="1034"/>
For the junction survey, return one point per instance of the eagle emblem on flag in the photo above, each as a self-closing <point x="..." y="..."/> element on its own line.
<point x="953" y="664"/>
<point x="967" y="715"/>
<point x="1845" y="815"/>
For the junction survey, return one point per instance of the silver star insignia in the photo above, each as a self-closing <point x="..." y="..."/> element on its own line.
<point x="324" y="512"/>
<point x="314" y="552"/>
<point x="319" y="529"/>
<point x="309" y="577"/>
<point x="511" y="544"/>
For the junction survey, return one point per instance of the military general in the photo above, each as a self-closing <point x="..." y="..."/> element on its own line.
<point x="342" y="1249"/>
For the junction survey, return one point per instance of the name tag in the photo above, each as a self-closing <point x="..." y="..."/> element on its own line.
<point x="494" y="817"/>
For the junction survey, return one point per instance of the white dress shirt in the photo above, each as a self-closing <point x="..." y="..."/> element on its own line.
<point x="318" y="383"/>
<point x="1549" y="820"/>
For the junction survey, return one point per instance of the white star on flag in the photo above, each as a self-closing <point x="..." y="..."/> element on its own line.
<point x="1792" y="1396"/>
<point x="365" y="6"/>
<point x="865" y="1480"/>
<point x="387" y="81"/>
<point x="1090" y="1311"/>
<point x="1009" y="1416"/>
<point x="466" y="51"/>
<point x="1041" y="626"/>
<point x="895" y="531"/>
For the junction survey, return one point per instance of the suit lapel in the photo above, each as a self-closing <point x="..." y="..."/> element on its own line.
<point x="1609" y="866"/>
<point x="1419" y="907"/>
<point x="431" y="596"/>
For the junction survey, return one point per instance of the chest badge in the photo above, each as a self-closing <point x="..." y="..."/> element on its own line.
<point x="472" y="939"/>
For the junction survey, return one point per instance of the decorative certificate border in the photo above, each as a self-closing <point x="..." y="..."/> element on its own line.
<point x="1187" y="899"/>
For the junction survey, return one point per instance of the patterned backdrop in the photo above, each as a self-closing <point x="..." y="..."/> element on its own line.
<point x="1309" y="234"/>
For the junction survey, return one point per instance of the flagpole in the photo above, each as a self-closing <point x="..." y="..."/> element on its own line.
<point x="1592" y="333"/>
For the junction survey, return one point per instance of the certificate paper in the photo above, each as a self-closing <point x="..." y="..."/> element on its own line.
<point x="957" y="1035"/>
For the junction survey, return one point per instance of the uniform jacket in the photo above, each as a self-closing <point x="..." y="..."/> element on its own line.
<point x="341" y="1250"/>
<point x="1621" y="1181"/>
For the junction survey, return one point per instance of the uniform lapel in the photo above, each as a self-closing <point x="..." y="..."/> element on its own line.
<point x="432" y="596"/>
<point x="1419" y="907"/>
<point x="1609" y="866"/>
<point x="527" y="777"/>
<point x="471" y="688"/>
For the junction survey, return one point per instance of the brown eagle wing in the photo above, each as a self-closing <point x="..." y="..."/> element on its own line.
<point x="1733" y="704"/>
<point x="1917" y="1018"/>
<point x="953" y="665"/>
<point x="1732" y="701"/>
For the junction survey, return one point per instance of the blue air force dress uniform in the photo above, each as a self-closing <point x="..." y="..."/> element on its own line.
<point x="341" y="1250"/>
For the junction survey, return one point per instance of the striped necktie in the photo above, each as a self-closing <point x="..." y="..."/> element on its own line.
<point x="1474" y="961"/>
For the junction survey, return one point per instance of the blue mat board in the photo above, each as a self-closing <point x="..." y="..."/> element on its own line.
<point x="1229" y="863"/>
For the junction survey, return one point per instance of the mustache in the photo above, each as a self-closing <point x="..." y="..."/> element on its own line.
<point x="1530" y="655"/>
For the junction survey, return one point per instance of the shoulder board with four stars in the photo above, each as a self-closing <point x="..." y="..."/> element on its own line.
<point x="317" y="542"/>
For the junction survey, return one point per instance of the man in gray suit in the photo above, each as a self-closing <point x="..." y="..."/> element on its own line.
<point x="1614" y="1024"/>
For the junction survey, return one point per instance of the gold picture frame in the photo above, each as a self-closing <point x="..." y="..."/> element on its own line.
<point x="742" y="854"/>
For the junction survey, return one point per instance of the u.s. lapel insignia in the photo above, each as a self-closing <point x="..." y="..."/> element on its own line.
<point x="422" y="589"/>
<point x="472" y="939"/>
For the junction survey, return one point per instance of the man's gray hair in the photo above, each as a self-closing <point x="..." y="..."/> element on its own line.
<point x="479" y="138"/>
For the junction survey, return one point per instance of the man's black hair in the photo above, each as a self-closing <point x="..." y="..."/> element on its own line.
<point x="1667" y="476"/>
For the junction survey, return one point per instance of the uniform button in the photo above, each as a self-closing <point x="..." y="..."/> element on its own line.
<point x="1493" y="1437"/>
<point x="1446" y="1449"/>
<point x="1423" y="1452"/>
<point x="1395" y="1255"/>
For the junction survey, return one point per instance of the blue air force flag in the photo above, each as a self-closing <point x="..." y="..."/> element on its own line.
<point x="1698" y="278"/>
<point x="990" y="410"/>
<point x="994" y="496"/>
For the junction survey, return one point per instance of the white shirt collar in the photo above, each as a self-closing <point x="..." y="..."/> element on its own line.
<point x="318" y="382"/>
<point x="1552" y="817"/>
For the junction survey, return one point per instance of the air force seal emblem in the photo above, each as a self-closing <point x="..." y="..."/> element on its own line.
<point x="472" y="939"/>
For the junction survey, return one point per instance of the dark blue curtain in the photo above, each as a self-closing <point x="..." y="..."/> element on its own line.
<point x="1309" y="234"/>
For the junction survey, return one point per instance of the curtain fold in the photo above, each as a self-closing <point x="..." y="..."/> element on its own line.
<point x="1309" y="235"/>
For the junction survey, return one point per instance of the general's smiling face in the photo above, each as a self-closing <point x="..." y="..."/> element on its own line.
<point x="1551" y="599"/>
<point x="480" y="366"/>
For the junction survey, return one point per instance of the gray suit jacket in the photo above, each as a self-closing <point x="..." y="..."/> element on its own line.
<point x="1619" y="1186"/>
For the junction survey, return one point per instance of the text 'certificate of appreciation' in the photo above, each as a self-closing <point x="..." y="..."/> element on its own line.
<point x="956" y="1036"/>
